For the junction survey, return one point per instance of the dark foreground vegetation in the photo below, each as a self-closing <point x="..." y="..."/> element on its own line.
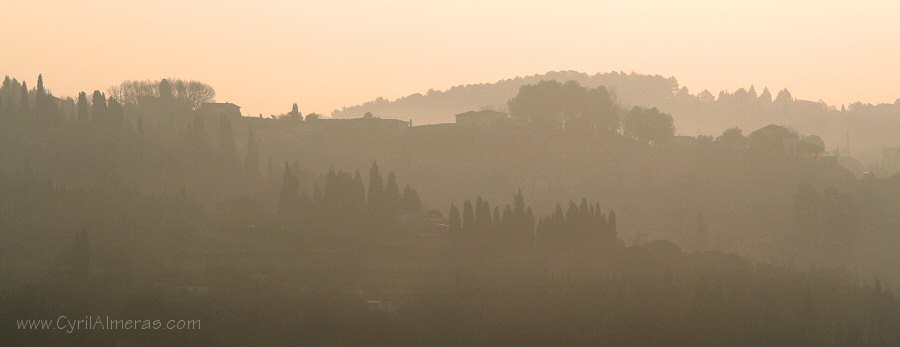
<point x="349" y="275"/>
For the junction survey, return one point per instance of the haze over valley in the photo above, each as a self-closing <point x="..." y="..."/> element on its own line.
<point x="169" y="175"/>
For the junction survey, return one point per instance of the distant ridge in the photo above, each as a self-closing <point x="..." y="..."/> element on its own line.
<point x="694" y="113"/>
<point x="440" y="106"/>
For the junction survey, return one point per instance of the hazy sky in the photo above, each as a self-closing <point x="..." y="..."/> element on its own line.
<point x="266" y="54"/>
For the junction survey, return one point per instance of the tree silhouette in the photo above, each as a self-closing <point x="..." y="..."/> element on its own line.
<point x="40" y="104"/>
<point x="550" y="104"/>
<point x="24" y="109"/>
<point x="83" y="113"/>
<point x="165" y="90"/>
<point x="468" y="217"/>
<point x="115" y="114"/>
<point x="375" y="196"/>
<point x="648" y="125"/>
<point x="98" y="108"/>
<point x="455" y="223"/>
<point x="289" y="197"/>
<point x="392" y="195"/>
<point x="295" y="113"/>
<point x="410" y="200"/>
<point x="732" y="138"/>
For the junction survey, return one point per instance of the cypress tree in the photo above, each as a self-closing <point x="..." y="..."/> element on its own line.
<point x="24" y="109"/>
<point x="115" y="114"/>
<point x="83" y="114"/>
<point x="289" y="196"/>
<point x="375" y="195"/>
<point x="454" y="225"/>
<point x="410" y="200"/>
<point x="331" y="188"/>
<point x="295" y="113"/>
<point x="392" y="195"/>
<point x="40" y="107"/>
<point x="8" y="90"/>
<point x="359" y="194"/>
<point x="165" y="89"/>
<point x="98" y="108"/>
<point x="468" y="216"/>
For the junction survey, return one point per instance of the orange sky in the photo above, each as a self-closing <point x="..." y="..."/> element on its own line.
<point x="266" y="54"/>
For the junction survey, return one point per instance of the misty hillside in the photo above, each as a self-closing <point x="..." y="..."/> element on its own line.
<point x="440" y="106"/>
<point x="574" y="219"/>
<point x="863" y="130"/>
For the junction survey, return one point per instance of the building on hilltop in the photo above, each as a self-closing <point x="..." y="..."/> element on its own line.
<point x="363" y="123"/>
<point x="485" y="119"/>
<point x="220" y="109"/>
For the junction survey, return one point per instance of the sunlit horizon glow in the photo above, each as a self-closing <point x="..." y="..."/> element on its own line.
<point x="325" y="55"/>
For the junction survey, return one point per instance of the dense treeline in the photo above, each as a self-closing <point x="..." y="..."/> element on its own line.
<point x="588" y="143"/>
<point x="871" y="127"/>
<point x="498" y="278"/>
<point x="143" y="206"/>
<point x="344" y="210"/>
